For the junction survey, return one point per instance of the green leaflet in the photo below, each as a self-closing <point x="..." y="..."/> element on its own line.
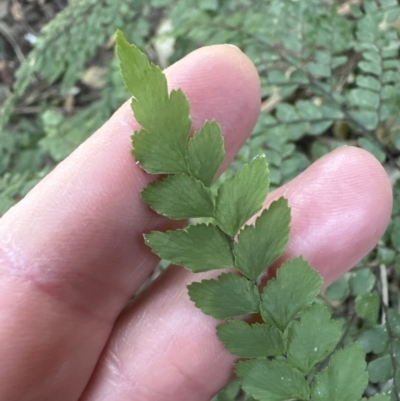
<point x="260" y="245"/>
<point x="206" y="152"/>
<point x="272" y="380"/>
<point x="344" y="378"/>
<point x="369" y="119"/>
<point x="199" y="247"/>
<point x="285" y="112"/>
<point x="394" y="321"/>
<point x="367" y="306"/>
<point x="160" y="147"/>
<point x="309" y="110"/>
<point x="368" y="82"/>
<point x="225" y="297"/>
<point x="338" y="290"/>
<point x="241" y="196"/>
<point x="320" y="70"/>
<point x="362" y="282"/>
<point x="251" y="341"/>
<point x="312" y="338"/>
<point x="179" y="197"/>
<point x="144" y="80"/>
<point x="374" y="339"/>
<point x="295" y="287"/>
<point x="380" y="370"/>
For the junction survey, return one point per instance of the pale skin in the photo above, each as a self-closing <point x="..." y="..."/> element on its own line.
<point x="72" y="255"/>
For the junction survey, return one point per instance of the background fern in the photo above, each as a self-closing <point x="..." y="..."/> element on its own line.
<point x="330" y="76"/>
<point x="69" y="41"/>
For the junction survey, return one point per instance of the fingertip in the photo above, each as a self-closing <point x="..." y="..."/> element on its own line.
<point x="361" y="178"/>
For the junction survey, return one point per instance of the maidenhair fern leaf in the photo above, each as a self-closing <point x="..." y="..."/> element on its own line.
<point x="345" y="378"/>
<point x="260" y="245"/>
<point x="367" y="306"/>
<point x="394" y="321"/>
<point x="205" y="153"/>
<point x="228" y="296"/>
<point x="199" y="247"/>
<point x="179" y="197"/>
<point x="312" y="338"/>
<point x="144" y="80"/>
<point x="160" y="146"/>
<point x="380" y="370"/>
<point x="368" y="82"/>
<point x="374" y="339"/>
<point x="251" y="341"/>
<point x="309" y="110"/>
<point x="241" y="196"/>
<point x="273" y="380"/>
<point x="363" y="98"/>
<point x="361" y="282"/>
<point x="287" y="113"/>
<point x="299" y="283"/>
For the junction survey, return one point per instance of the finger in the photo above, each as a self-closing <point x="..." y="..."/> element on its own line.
<point x="72" y="251"/>
<point x="334" y="232"/>
<point x="164" y="348"/>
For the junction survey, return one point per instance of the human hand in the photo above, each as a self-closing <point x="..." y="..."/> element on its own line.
<point x="72" y="254"/>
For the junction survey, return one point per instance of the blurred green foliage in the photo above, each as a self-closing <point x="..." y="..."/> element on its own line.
<point x="330" y="75"/>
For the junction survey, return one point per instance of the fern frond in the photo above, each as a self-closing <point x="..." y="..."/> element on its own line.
<point x="68" y="42"/>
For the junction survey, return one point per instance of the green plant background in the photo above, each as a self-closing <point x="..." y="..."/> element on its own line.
<point x="330" y="74"/>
